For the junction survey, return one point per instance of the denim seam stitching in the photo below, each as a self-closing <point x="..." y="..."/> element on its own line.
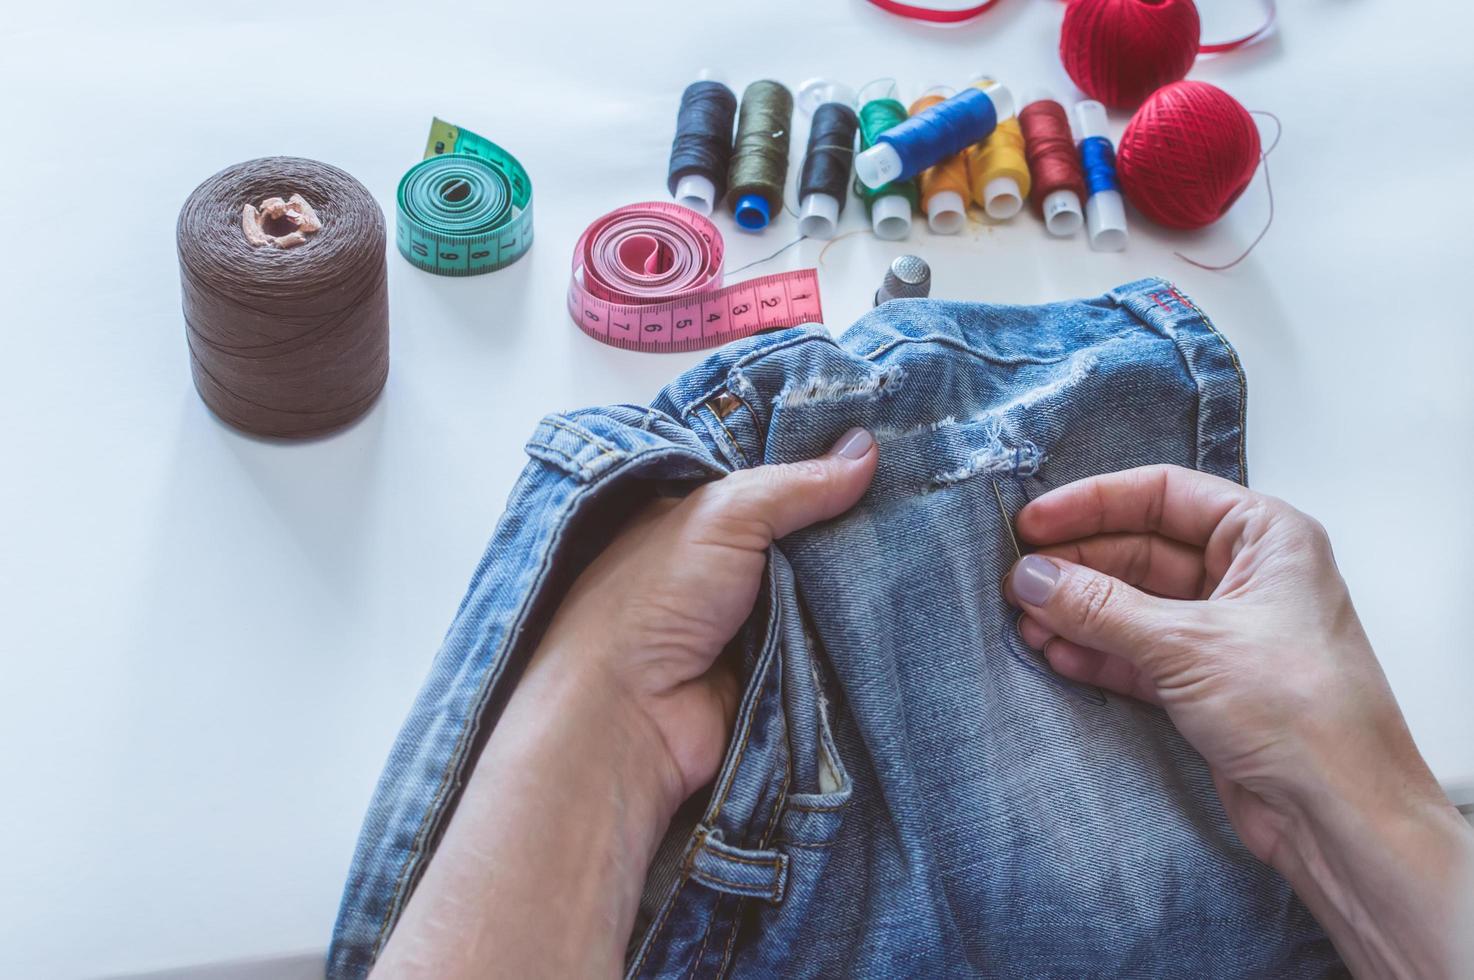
<point x="771" y="862"/>
<point x="731" y="941"/>
<point x="960" y="346"/>
<point x="581" y="433"/>
<point x="1238" y="368"/>
<point x="755" y="889"/>
<point x="716" y="814"/>
<point x="734" y="447"/>
<point x="555" y="451"/>
<point x="701" y="951"/>
<point x="660" y="923"/>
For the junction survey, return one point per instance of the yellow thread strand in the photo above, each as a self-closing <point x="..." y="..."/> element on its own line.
<point x="1000" y="155"/>
<point x="950" y="174"/>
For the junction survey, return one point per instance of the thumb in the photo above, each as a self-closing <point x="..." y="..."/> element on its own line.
<point x="787" y="496"/>
<point x="1091" y="609"/>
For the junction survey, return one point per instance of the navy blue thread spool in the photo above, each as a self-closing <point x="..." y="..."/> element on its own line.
<point x="702" y="149"/>
<point x="928" y="138"/>
<point x="824" y="180"/>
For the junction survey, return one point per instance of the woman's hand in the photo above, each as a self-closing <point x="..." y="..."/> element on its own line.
<point x="623" y="712"/>
<point x="1225" y="607"/>
<point x="651" y="615"/>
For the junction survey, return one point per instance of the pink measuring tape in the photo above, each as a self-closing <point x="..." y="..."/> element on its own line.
<point x="648" y="277"/>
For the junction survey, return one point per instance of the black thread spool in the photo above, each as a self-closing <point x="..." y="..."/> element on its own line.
<point x="825" y="179"/>
<point x="702" y="149"/>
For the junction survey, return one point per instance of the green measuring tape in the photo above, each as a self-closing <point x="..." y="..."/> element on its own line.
<point x="466" y="208"/>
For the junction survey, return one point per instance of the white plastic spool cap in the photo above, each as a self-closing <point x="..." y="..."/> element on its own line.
<point x="1002" y="198"/>
<point x="1090" y="120"/>
<point x="878" y="165"/>
<point x="890" y="217"/>
<point x="697" y="193"/>
<point x="946" y="212"/>
<point x="817" y="91"/>
<point x="1062" y="214"/>
<point x="1105" y="218"/>
<point x="708" y="75"/>
<point x="1001" y="98"/>
<point x="818" y="215"/>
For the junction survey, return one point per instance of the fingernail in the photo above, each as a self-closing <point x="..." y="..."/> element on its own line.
<point x="1033" y="579"/>
<point x="854" y="443"/>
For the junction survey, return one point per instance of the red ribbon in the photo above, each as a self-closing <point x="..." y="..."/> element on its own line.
<point x="932" y="15"/>
<point x="1219" y="47"/>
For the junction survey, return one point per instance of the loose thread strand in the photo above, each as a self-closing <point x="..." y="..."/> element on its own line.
<point x="1279" y="130"/>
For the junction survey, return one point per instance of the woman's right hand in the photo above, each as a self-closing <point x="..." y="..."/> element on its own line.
<point x="1225" y="607"/>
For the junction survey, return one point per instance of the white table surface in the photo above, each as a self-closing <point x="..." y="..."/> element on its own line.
<point x="210" y="641"/>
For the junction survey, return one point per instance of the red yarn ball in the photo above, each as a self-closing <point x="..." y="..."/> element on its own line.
<point x="1121" y="51"/>
<point x="1187" y="155"/>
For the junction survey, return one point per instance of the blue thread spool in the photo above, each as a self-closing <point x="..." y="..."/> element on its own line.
<point x="930" y="137"/>
<point x="1105" y="209"/>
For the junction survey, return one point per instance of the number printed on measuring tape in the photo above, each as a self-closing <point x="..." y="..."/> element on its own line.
<point x="648" y="277"/>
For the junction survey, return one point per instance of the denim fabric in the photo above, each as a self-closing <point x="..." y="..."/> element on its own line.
<point x="909" y="791"/>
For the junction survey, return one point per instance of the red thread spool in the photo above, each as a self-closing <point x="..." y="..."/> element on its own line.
<point x="1121" y="51"/>
<point x="1054" y="163"/>
<point x="1187" y="155"/>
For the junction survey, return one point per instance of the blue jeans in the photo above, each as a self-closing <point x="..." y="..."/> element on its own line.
<point x="909" y="790"/>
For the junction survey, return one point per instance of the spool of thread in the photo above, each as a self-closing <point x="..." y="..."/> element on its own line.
<point x="702" y="149"/>
<point x="282" y="266"/>
<point x="760" y="154"/>
<point x="944" y="130"/>
<point x="1054" y="163"/>
<point x="944" y="187"/>
<point x="824" y="180"/>
<point x="998" y="171"/>
<point x="890" y="204"/>
<point x="1187" y="155"/>
<point x="1105" y="209"/>
<point x="1120" y="51"/>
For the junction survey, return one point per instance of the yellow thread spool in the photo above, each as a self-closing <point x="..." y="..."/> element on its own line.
<point x="997" y="171"/>
<point x="944" y="188"/>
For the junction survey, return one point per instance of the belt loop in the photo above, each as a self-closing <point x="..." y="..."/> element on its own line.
<point x="756" y="874"/>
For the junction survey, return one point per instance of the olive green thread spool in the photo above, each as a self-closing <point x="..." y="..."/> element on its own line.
<point x="760" y="155"/>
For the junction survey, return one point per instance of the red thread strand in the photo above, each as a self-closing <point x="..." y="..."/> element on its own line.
<point x="1050" y="149"/>
<point x="1279" y="130"/>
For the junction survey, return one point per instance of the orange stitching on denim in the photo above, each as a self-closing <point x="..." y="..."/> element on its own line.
<point x="772" y="862"/>
<point x="731" y="939"/>
<point x="659" y="925"/>
<point x="807" y="847"/>
<point x="696" y="963"/>
<point x="706" y="877"/>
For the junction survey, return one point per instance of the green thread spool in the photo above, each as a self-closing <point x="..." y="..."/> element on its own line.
<point x="890" y="205"/>
<point x="760" y="155"/>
